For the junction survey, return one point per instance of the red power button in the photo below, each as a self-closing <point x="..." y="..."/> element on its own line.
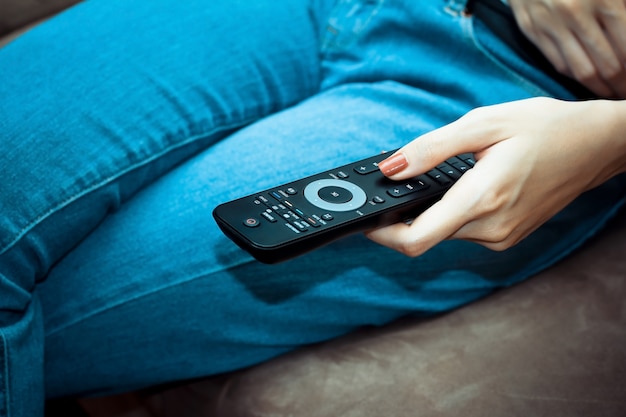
<point x="251" y="222"/>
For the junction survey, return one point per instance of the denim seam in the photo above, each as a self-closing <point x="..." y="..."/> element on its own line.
<point x="519" y="79"/>
<point x="151" y="291"/>
<point x="4" y="378"/>
<point x="115" y="176"/>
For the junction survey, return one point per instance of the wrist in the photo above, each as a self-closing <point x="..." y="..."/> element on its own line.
<point x="612" y="136"/>
<point x="619" y="138"/>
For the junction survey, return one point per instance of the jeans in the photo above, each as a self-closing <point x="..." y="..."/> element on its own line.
<point x="124" y="123"/>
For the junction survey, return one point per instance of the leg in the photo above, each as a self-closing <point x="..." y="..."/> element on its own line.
<point x="163" y="295"/>
<point x="158" y="90"/>
<point x="102" y="100"/>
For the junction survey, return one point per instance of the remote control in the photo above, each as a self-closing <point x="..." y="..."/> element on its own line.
<point x="286" y="221"/>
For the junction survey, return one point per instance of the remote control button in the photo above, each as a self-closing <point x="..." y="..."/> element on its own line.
<point x="327" y="217"/>
<point x="291" y="191"/>
<point x="378" y="199"/>
<point x="460" y="165"/>
<point x="408" y="188"/>
<point x="439" y="177"/>
<point x="449" y="170"/>
<point x="278" y="195"/>
<point x="342" y="175"/>
<point x="292" y="228"/>
<point x="292" y="216"/>
<point x="366" y="168"/>
<point x="318" y="219"/>
<point x="268" y="216"/>
<point x="359" y="198"/>
<point x="251" y="222"/>
<point x="311" y="220"/>
<point x="335" y="195"/>
<point x="468" y="158"/>
<point x="302" y="226"/>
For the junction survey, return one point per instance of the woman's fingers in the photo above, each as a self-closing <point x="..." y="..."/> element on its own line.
<point x="534" y="157"/>
<point x="584" y="39"/>
<point x="430" y="149"/>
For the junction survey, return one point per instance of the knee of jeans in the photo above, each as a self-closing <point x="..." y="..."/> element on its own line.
<point x="33" y="241"/>
<point x="16" y="294"/>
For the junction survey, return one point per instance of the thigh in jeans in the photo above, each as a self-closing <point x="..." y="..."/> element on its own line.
<point x="103" y="99"/>
<point x="159" y="293"/>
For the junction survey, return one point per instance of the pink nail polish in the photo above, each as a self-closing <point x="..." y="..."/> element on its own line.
<point x="393" y="164"/>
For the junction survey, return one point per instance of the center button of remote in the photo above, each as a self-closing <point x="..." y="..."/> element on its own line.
<point x="335" y="195"/>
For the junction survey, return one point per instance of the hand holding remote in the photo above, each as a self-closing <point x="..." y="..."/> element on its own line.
<point x="533" y="158"/>
<point x="290" y="219"/>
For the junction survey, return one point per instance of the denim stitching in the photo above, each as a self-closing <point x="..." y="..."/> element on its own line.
<point x="115" y="176"/>
<point x="4" y="383"/>
<point x="244" y="260"/>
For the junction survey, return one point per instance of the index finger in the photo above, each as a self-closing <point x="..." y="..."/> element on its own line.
<point x="614" y="25"/>
<point x="474" y="131"/>
<point x="613" y="21"/>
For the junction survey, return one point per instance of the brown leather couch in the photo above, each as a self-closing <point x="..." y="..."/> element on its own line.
<point x="552" y="346"/>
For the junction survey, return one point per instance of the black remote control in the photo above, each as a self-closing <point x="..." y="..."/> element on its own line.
<point x="286" y="221"/>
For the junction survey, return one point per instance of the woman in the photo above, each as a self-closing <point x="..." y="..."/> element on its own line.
<point x="125" y="123"/>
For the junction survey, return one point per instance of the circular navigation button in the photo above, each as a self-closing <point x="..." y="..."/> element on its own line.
<point x="335" y="195"/>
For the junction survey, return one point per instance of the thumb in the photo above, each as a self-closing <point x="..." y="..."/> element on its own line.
<point x="470" y="133"/>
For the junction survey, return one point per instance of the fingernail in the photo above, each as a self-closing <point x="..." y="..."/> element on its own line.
<point x="394" y="164"/>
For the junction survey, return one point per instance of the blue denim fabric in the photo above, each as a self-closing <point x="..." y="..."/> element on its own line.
<point x="125" y="122"/>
